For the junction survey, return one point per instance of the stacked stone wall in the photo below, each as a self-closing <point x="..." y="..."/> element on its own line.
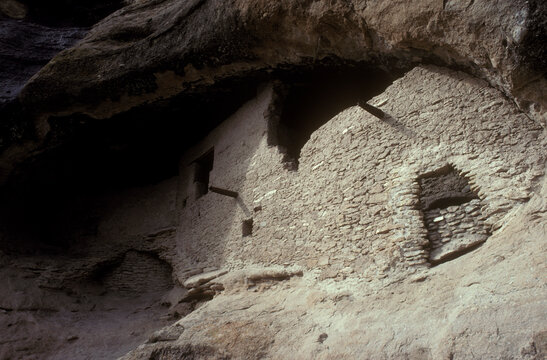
<point x="455" y="229"/>
<point x="138" y="273"/>
<point x="353" y="206"/>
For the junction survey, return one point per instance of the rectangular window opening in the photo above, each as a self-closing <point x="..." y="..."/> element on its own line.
<point x="203" y="167"/>
<point x="247" y="227"/>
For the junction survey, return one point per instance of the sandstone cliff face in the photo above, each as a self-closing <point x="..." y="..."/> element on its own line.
<point x="196" y="180"/>
<point x="31" y="33"/>
<point x="153" y="49"/>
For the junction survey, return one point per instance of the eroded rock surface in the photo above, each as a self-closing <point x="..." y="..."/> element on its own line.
<point x="94" y="285"/>
<point x="31" y="33"/>
<point x="155" y="49"/>
<point x="25" y="48"/>
<point x="197" y="179"/>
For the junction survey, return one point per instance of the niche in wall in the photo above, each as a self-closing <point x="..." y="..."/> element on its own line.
<point x="247" y="227"/>
<point x="452" y="215"/>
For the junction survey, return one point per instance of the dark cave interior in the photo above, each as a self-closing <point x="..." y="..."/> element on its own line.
<point x="70" y="13"/>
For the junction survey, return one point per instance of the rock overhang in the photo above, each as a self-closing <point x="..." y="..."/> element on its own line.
<point x="233" y="41"/>
<point x="155" y="54"/>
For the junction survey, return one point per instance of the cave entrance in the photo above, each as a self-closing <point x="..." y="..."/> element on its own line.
<point x="452" y="214"/>
<point x="309" y="100"/>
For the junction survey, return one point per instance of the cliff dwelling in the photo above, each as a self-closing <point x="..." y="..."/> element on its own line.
<point x="277" y="180"/>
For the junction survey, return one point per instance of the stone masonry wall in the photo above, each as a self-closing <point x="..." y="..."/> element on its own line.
<point x="452" y="215"/>
<point x="210" y="228"/>
<point x="138" y="273"/>
<point x="353" y="206"/>
<point x="454" y="229"/>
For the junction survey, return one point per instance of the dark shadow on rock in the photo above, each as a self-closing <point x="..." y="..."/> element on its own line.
<point x="398" y="126"/>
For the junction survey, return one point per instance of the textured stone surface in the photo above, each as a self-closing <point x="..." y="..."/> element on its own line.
<point x="97" y="296"/>
<point x="25" y="48"/>
<point x="348" y="247"/>
<point x="357" y="189"/>
<point x="154" y="49"/>
<point x="151" y="51"/>
<point x="338" y="246"/>
<point x="452" y="215"/>
<point x="31" y="33"/>
<point x="459" y="309"/>
<point x="349" y="224"/>
<point x="454" y="229"/>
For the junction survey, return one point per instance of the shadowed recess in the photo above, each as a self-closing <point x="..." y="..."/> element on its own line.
<point x="61" y="13"/>
<point x="313" y="98"/>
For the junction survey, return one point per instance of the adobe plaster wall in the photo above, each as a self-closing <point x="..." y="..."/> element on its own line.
<point x="352" y="207"/>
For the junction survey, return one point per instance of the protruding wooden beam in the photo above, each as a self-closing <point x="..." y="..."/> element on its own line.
<point x="372" y="109"/>
<point x="223" y="192"/>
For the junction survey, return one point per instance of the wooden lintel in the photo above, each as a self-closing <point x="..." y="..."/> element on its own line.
<point x="223" y="192"/>
<point x="371" y="109"/>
